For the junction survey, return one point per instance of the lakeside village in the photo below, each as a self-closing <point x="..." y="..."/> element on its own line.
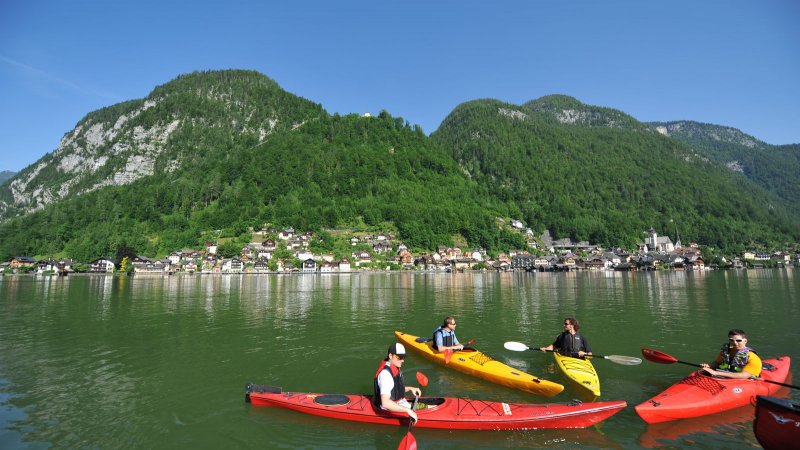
<point x="384" y="252"/>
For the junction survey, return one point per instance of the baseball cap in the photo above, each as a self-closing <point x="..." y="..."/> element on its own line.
<point x="397" y="349"/>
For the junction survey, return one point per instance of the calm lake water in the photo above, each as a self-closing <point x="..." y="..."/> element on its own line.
<point x="161" y="362"/>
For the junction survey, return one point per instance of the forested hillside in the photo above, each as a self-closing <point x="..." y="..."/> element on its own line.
<point x="605" y="178"/>
<point x="211" y="154"/>
<point x="214" y="174"/>
<point x="773" y="167"/>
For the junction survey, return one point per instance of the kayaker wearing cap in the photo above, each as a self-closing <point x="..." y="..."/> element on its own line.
<point x="390" y="389"/>
<point x="570" y="342"/>
<point x="735" y="359"/>
<point x="444" y="337"/>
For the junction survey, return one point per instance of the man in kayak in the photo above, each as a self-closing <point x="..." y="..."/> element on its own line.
<point x="390" y="390"/>
<point x="444" y="337"/>
<point x="735" y="359"/>
<point x="570" y="342"/>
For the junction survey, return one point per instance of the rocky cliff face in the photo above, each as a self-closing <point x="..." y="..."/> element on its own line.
<point x="85" y="152"/>
<point x="123" y="143"/>
<point x="685" y="129"/>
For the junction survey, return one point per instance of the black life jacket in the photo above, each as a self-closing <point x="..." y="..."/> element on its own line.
<point x="447" y="341"/>
<point x="399" y="389"/>
<point x="570" y="344"/>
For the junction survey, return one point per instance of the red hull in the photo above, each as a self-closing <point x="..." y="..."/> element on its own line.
<point x="699" y="394"/>
<point x="777" y="424"/>
<point x="447" y="413"/>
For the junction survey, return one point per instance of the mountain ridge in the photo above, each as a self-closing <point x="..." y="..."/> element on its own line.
<point x="231" y="149"/>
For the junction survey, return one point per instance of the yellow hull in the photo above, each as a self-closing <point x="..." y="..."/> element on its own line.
<point x="581" y="371"/>
<point x="481" y="365"/>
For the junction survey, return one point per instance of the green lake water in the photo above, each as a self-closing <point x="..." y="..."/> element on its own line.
<point x="161" y="362"/>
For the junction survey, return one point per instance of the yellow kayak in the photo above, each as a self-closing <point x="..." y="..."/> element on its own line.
<point x="581" y="371"/>
<point x="481" y="365"/>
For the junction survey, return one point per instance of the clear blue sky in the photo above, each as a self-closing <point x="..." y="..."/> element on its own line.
<point x="731" y="62"/>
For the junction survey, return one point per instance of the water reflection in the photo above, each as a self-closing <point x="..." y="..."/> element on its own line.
<point x="142" y="362"/>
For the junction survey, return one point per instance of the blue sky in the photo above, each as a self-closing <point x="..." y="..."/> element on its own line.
<point x="732" y="62"/>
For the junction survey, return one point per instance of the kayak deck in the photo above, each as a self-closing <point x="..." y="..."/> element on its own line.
<point x="579" y="370"/>
<point x="476" y="363"/>
<point x="444" y="412"/>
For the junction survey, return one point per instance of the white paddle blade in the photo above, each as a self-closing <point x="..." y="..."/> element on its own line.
<point x="625" y="360"/>
<point x="516" y="346"/>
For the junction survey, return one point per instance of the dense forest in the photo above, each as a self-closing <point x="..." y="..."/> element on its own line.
<point x="240" y="152"/>
<point x="608" y="183"/>
<point x="772" y="167"/>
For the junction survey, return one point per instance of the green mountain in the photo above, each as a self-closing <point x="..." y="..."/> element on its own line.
<point x="566" y="110"/>
<point x="772" y="167"/>
<point x="595" y="173"/>
<point x="230" y="150"/>
<point x="211" y="154"/>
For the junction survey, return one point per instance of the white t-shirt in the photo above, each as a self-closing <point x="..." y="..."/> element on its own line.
<point x="386" y="384"/>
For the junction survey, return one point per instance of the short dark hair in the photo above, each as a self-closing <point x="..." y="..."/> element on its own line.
<point x="447" y="320"/>
<point x="736" y="331"/>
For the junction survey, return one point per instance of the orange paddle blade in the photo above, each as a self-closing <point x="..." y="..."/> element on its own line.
<point x="408" y="442"/>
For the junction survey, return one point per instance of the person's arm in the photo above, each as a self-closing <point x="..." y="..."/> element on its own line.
<point x="587" y="350"/>
<point x="415" y="391"/>
<point x="713" y="366"/>
<point x="438" y="341"/>
<point x="544" y="349"/>
<point x="386" y="384"/>
<point x="456" y="344"/>
<point x="391" y="405"/>
<point x="726" y="374"/>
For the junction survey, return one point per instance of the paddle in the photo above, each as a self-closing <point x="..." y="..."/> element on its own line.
<point x="664" y="358"/>
<point x="409" y="442"/>
<point x="624" y="360"/>
<point x="448" y="354"/>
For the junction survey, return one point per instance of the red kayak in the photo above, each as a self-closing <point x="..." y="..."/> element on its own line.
<point x="777" y="424"/>
<point x="700" y="394"/>
<point x="442" y="412"/>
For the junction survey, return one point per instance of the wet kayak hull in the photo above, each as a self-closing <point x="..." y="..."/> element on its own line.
<point x="699" y="394"/>
<point x="777" y="423"/>
<point x="444" y="412"/>
<point x="476" y="363"/>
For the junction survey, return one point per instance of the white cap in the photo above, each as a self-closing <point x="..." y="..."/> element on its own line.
<point x="397" y="349"/>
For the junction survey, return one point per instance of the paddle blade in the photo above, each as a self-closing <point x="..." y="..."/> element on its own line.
<point x="470" y="342"/>
<point x="422" y="379"/>
<point x="624" y="360"/>
<point x="657" y="356"/>
<point x="408" y="442"/>
<point x="516" y="346"/>
<point x="448" y="355"/>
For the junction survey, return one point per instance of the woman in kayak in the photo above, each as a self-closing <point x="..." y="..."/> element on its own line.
<point x="390" y="390"/>
<point x="444" y="337"/>
<point x="735" y="359"/>
<point x="570" y="342"/>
